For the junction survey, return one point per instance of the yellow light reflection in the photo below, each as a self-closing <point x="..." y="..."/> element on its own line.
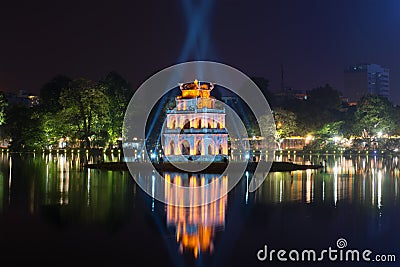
<point x="196" y="226"/>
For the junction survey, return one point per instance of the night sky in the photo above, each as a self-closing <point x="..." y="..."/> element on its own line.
<point x="314" y="40"/>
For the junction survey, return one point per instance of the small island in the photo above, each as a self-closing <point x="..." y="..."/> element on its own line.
<point x="215" y="167"/>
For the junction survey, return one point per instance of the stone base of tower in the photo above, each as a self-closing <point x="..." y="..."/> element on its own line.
<point x="196" y="158"/>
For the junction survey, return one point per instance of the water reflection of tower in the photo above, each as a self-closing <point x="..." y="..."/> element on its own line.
<point x="195" y="227"/>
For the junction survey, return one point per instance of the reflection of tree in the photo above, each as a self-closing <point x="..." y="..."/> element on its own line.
<point x="67" y="195"/>
<point x="2" y="195"/>
<point x="360" y="179"/>
<point x="195" y="226"/>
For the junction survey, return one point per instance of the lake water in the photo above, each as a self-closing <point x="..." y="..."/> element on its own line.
<point x="55" y="213"/>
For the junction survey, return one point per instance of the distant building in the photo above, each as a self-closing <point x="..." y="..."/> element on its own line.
<point x="295" y="93"/>
<point x="363" y="79"/>
<point x="22" y="98"/>
<point x="230" y="100"/>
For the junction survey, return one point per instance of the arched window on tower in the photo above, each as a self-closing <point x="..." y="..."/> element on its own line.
<point x="186" y="124"/>
<point x="172" y="148"/>
<point x="173" y="124"/>
<point x="185" y="148"/>
<point x="209" y="150"/>
<point x="198" y="147"/>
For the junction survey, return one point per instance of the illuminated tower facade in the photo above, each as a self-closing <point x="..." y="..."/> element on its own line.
<point x="195" y="128"/>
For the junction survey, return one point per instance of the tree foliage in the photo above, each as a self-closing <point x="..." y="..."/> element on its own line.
<point x="263" y="85"/>
<point x="374" y="114"/>
<point x="86" y="110"/>
<point x="23" y="128"/>
<point x="285" y="121"/>
<point x="80" y="110"/>
<point x="51" y="91"/>
<point x="92" y="113"/>
<point x="267" y="125"/>
<point x="322" y="106"/>
<point x="330" y="129"/>
<point x="3" y="107"/>
<point x="325" y="98"/>
<point x="119" y="93"/>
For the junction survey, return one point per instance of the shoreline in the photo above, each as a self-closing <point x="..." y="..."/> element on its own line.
<point x="284" y="152"/>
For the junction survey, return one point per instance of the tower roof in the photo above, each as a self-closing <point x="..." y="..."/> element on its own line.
<point x="196" y="85"/>
<point x="195" y="89"/>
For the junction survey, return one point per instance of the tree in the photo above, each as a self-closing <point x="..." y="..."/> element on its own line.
<point x="263" y="84"/>
<point x="321" y="107"/>
<point x="50" y="93"/>
<point x="396" y="118"/>
<point x="3" y="106"/>
<point x="53" y="126"/>
<point x="282" y="124"/>
<point x="374" y="114"/>
<point x="348" y="121"/>
<point x="325" y="97"/>
<point x="85" y="109"/>
<point x="285" y="122"/>
<point x="23" y="128"/>
<point x="330" y="129"/>
<point x="267" y="125"/>
<point x="119" y="92"/>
